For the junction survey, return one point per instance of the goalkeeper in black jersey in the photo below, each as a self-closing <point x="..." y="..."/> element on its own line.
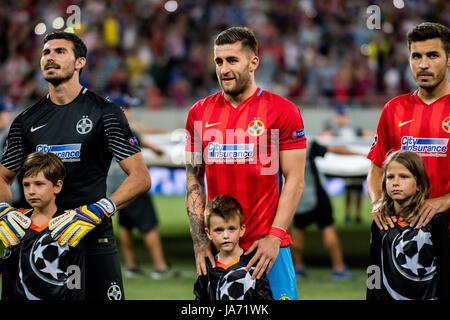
<point x="229" y="280"/>
<point x="413" y="262"/>
<point x="85" y="131"/>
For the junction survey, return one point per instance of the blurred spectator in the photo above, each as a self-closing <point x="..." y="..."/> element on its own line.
<point x="139" y="214"/>
<point x="341" y="127"/>
<point x="342" y="83"/>
<point x="310" y="49"/>
<point x="315" y="206"/>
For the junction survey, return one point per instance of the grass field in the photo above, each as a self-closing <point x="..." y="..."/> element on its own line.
<point x="177" y="244"/>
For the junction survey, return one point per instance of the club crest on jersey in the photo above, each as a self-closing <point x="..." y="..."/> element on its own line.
<point x="436" y="147"/>
<point x="255" y="128"/>
<point x="446" y="124"/>
<point x="84" y="125"/>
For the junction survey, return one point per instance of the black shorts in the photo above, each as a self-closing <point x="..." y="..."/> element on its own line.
<point x="322" y="215"/>
<point x="103" y="277"/>
<point x="139" y="214"/>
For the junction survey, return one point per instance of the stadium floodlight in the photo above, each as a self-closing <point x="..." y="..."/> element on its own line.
<point x="171" y="6"/>
<point x="58" y="23"/>
<point x="365" y="49"/>
<point x="399" y="4"/>
<point x="40" y="28"/>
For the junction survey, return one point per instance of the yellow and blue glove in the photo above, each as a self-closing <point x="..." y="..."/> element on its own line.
<point x="12" y="225"/>
<point x="73" y="225"/>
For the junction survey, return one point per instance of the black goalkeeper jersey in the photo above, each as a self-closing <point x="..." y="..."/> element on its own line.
<point x="38" y="268"/>
<point x="232" y="283"/>
<point x="414" y="264"/>
<point x="86" y="134"/>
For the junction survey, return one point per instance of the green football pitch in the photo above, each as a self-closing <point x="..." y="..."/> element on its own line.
<point x="174" y="228"/>
<point x="177" y="245"/>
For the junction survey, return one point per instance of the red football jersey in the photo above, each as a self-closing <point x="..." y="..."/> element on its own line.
<point x="240" y="148"/>
<point x="408" y="123"/>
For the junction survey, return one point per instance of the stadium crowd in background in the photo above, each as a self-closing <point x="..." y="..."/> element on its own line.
<point x="311" y="51"/>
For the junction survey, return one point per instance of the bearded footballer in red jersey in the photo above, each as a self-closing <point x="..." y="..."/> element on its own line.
<point x="419" y="121"/>
<point x="245" y="139"/>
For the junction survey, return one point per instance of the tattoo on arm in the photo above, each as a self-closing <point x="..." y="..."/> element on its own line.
<point x="195" y="202"/>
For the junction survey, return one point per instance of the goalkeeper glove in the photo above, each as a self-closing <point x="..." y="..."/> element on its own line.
<point x="12" y="225"/>
<point x="73" y="225"/>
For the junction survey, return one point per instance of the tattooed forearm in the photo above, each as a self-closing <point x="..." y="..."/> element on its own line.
<point x="195" y="188"/>
<point x="197" y="229"/>
<point x="195" y="197"/>
<point x="195" y="202"/>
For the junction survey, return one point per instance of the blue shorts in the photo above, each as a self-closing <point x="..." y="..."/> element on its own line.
<point x="282" y="277"/>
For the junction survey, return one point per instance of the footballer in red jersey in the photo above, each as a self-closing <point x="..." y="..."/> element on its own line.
<point x="406" y="123"/>
<point x="419" y="121"/>
<point x="246" y="140"/>
<point x="240" y="150"/>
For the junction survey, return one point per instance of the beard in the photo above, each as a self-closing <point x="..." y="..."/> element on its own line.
<point x="435" y="81"/>
<point x="242" y="82"/>
<point x="56" y="79"/>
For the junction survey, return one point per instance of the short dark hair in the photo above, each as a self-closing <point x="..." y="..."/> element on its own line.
<point x="225" y="207"/>
<point x="430" y="30"/>
<point x="48" y="163"/>
<point x="79" y="48"/>
<point x="238" y="34"/>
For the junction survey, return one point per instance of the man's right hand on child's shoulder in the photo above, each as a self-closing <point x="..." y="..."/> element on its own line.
<point x="12" y="225"/>
<point x="376" y="215"/>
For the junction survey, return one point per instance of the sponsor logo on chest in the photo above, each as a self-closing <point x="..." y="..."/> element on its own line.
<point x="221" y="151"/>
<point x="432" y="147"/>
<point x="66" y="152"/>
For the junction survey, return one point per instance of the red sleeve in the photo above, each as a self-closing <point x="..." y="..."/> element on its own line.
<point x="189" y="146"/>
<point x="193" y="131"/>
<point x="290" y="124"/>
<point x="381" y="144"/>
